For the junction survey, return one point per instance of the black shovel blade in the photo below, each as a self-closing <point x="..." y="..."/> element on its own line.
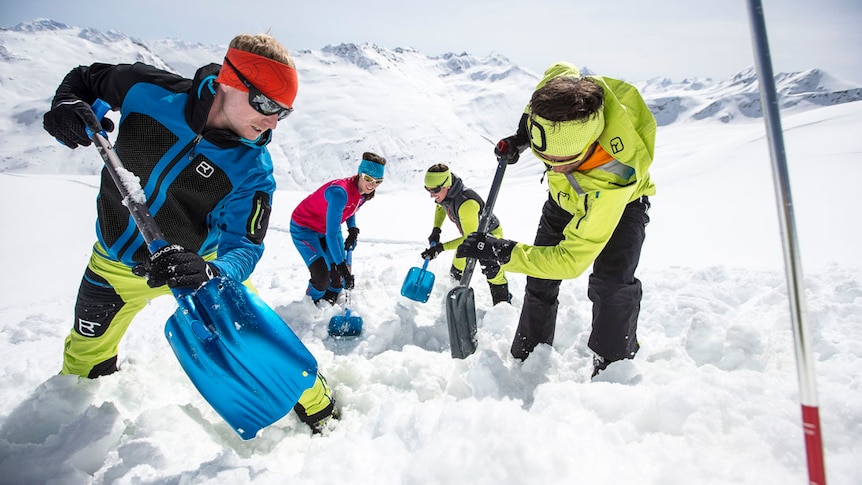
<point x="461" y="316"/>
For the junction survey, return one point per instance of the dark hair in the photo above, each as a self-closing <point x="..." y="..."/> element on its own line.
<point x="566" y="98"/>
<point x="438" y="167"/>
<point x="371" y="157"/>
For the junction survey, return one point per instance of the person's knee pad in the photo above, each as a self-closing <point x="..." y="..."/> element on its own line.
<point x="319" y="275"/>
<point x="96" y="306"/>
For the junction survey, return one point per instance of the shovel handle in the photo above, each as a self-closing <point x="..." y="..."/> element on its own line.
<point x="425" y="264"/>
<point x="128" y="185"/>
<point x="100" y="109"/>
<point x="485" y="219"/>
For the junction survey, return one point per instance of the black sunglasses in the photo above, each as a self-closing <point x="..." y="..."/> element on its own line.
<point x="261" y="103"/>
<point x="434" y="190"/>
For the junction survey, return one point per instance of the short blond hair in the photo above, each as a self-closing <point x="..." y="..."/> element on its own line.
<point x="263" y="45"/>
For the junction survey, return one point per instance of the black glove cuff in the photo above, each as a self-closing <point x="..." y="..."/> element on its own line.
<point x="504" y="252"/>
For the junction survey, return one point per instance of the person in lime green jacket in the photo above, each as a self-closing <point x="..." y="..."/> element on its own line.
<point x="596" y="137"/>
<point x="463" y="206"/>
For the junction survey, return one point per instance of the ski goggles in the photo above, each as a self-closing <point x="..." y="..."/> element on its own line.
<point x="559" y="161"/>
<point x="261" y="103"/>
<point x="371" y="180"/>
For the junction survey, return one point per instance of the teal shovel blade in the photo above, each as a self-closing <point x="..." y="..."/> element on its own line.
<point x="418" y="284"/>
<point x="346" y="325"/>
<point x="240" y="355"/>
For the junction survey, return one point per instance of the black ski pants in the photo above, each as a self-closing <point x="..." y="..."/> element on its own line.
<point x="613" y="288"/>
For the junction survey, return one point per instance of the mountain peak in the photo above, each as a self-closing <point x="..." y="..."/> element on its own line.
<point x="40" y="25"/>
<point x="365" y="56"/>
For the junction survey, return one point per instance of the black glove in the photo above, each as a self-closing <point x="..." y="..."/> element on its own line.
<point x="485" y="247"/>
<point x="350" y="242"/>
<point x="175" y="267"/>
<point x="67" y="122"/>
<point x="510" y="148"/>
<point x="346" y="278"/>
<point x="434" y="238"/>
<point x="432" y="251"/>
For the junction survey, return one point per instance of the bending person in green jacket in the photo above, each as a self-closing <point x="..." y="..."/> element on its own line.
<point x="596" y="137"/>
<point x="464" y="207"/>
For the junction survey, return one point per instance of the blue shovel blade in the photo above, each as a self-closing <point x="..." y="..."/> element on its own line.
<point x="346" y="325"/>
<point x="240" y="355"/>
<point x="418" y="284"/>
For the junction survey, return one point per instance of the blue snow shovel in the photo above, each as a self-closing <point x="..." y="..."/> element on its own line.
<point x="418" y="283"/>
<point x="237" y="351"/>
<point x="346" y="325"/>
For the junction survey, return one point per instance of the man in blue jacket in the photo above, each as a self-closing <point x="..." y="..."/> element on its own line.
<point x="199" y="148"/>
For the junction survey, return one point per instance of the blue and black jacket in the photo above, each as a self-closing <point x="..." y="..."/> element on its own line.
<point x="208" y="190"/>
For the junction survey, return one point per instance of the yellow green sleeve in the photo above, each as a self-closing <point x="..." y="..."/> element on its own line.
<point x="469" y="215"/>
<point x="439" y="215"/>
<point x="584" y="238"/>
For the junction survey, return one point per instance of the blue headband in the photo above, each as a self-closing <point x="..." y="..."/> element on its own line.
<point x="373" y="169"/>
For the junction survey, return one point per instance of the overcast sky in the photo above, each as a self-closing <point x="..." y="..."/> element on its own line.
<point x="631" y="39"/>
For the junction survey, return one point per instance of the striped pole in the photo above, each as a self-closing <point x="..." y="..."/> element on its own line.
<point x="792" y="264"/>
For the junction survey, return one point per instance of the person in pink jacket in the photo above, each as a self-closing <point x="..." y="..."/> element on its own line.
<point x="315" y="227"/>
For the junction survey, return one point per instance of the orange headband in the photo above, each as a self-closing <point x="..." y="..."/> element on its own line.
<point x="276" y="80"/>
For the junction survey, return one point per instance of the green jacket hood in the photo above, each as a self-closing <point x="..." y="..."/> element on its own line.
<point x="630" y="127"/>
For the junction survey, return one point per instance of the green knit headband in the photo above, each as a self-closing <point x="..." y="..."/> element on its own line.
<point x="565" y="138"/>
<point x="438" y="179"/>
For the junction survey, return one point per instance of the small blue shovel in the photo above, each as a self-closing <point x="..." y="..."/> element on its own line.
<point x="346" y="325"/>
<point x="418" y="283"/>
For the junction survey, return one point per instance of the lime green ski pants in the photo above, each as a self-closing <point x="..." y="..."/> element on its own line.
<point x="108" y="299"/>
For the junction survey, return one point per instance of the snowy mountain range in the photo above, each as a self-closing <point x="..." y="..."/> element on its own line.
<point x="452" y="105"/>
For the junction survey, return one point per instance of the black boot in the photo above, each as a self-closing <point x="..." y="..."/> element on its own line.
<point x="599" y="364"/>
<point x="500" y="293"/>
<point x="329" y="297"/>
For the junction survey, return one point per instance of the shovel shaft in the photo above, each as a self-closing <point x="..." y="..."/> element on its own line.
<point x="127" y="183"/>
<point x="460" y="305"/>
<point x="485" y="219"/>
<point x="131" y="191"/>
